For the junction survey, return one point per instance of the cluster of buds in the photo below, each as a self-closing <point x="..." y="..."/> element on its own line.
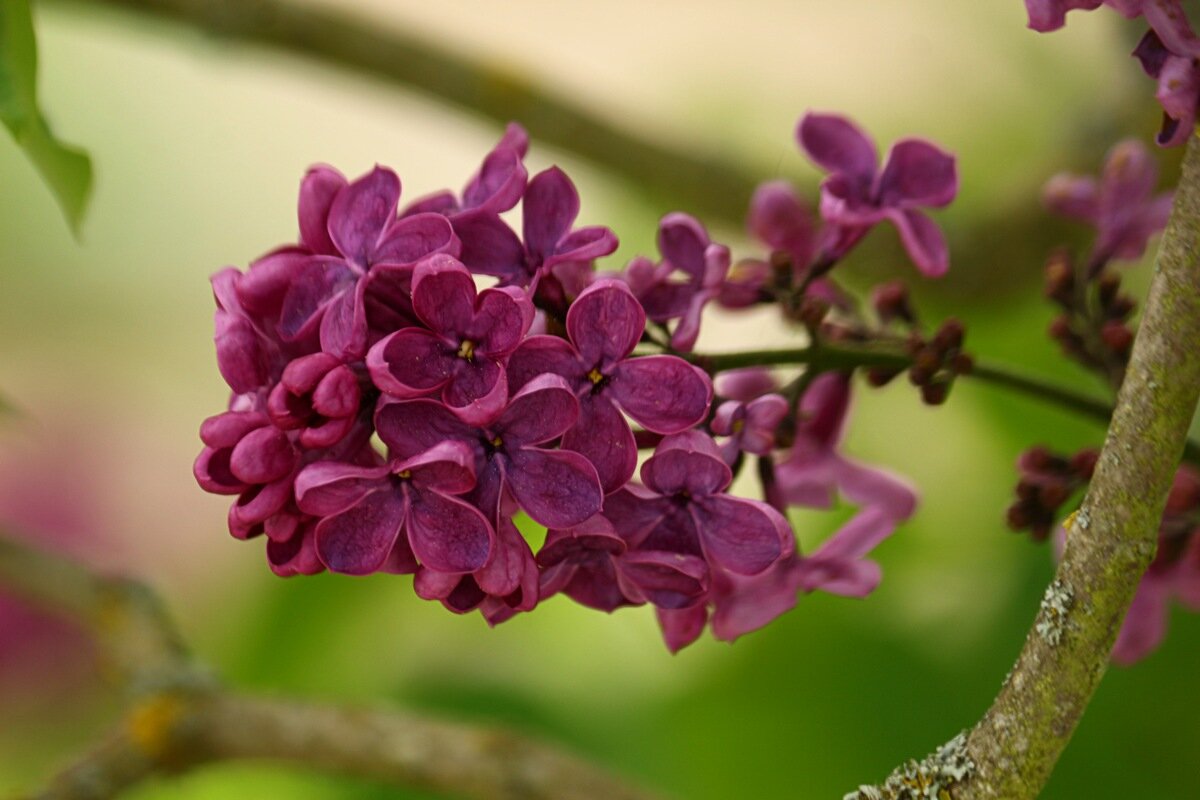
<point x="388" y="414"/>
<point x="1093" y="328"/>
<point x="1048" y="481"/>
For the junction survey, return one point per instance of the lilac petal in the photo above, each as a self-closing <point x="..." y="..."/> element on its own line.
<point x="779" y="219"/>
<point x="668" y="580"/>
<point x="227" y="429"/>
<point x="822" y="412"/>
<point x="211" y="470"/>
<point x="634" y="512"/>
<point x="1050" y="15"/>
<point x="544" y="409"/>
<point x="603" y="436"/>
<point x="746" y="384"/>
<point x="360" y="213"/>
<point x="682" y="240"/>
<point x="400" y="560"/>
<point x="1178" y="87"/>
<point x="1168" y="20"/>
<point x="433" y="585"/>
<point x="344" y="326"/>
<point x="1072" y="196"/>
<point x="851" y="578"/>
<point x="597" y="585"/>
<point x="239" y="356"/>
<point x="303" y="374"/>
<point x="446" y="534"/>
<point x="1145" y="622"/>
<point x="605" y="322"/>
<point x="388" y="300"/>
<point x="320" y="281"/>
<point x="410" y="363"/>
<point x="443" y="202"/>
<point x="414" y="426"/>
<point x="838" y="146"/>
<point x="541" y="355"/>
<point x="875" y="487"/>
<point x="511" y="573"/>
<point x="261" y="291"/>
<point x="681" y="627"/>
<point x="294" y="556"/>
<point x="477" y="391"/>
<point x="593" y="536"/>
<point x="685" y="463"/>
<point x="728" y="417"/>
<point x="327" y="433"/>
<point x="665" y="301"/>
<point x="359" y="540"/>
<point x="683" y="338"/>
<point x="502" y="318"/>
<point x="262" y="456"/>
<point x="329" y="487"/>
<point x="583" y="245"/>
<point x="448" y="467"/>
<point x="762" y="419"/>
<point x="412" y="238"/>
<point x="664" y="394"/>
<point x="746" y="604"/>
<point x="917" y="173"/>
<point x="490" y="247"/>
<point x="551" y="204"/>
<point x="444" y="295"/>
<point x="923" y="240"/>
<point x="338" y="394"/>
<point x="743" y="536"/>
<point x="259" y="503"/>
<point x="557" y="488"/>
<point x="1151" y="54"/>
<point x="499" y="184"/>
<point x="317" y="191"/>
<point x="1129" y="177"/>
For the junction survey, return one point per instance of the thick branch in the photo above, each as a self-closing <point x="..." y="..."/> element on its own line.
<point x="705" y="184"/>
<point x="180" y="718"/>
<point x="1114" y="535"/>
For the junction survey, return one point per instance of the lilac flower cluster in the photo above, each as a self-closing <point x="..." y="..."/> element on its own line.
<point x="387" y="414"/>
<point x="1169" y="53"/>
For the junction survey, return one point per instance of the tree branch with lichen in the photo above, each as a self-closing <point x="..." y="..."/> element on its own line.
<point x="180" y="717"/>
<point x="1111" y="541"/>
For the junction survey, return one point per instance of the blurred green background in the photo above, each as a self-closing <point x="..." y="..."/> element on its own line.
<point x="199" y="144"/>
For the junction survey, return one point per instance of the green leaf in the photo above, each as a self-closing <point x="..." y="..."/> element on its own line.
<point x="66" y="170"/>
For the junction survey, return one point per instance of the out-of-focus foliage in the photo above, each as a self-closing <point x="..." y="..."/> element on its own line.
<point x="66" y="170"/>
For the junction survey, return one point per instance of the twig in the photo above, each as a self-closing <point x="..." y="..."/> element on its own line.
<point x="181" y="718"/>
<point x="702" y="183"/>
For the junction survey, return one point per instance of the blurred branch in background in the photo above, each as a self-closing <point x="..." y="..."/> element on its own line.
<point x="180" y="717"/>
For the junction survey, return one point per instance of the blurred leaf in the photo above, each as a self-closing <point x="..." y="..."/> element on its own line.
<point x="66" y="170"/>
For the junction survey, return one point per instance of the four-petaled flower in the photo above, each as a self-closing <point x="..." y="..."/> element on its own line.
<point x="461" y="351"/>
<point x="858" y="194"/>
<point x="664" y="394"/>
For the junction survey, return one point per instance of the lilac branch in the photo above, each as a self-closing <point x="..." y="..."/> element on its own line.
<point x="180" y="718"/>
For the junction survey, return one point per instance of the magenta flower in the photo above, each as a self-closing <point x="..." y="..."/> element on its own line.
<point x="683" y="509"/>
<point x="688" y="254"/>
<point x="365" y="510"/>
<point x="814" y="471"/>
<point x="593" y="566"/>
<point x="1166" y="18"/>
<point x="857" y="194"/>
<point x="462" y="353"/>
<point x="360" y="248"/>
<point x="557" y="488"/>
<point x="1178" y="92"/>
<point x="1122" y="205"/>
<point x="317" y="395"/>
<point x="749" y="426"/>
<point x="549" y="209"/>
<point x="496" y="187"/>
<point x="664" y="394"/>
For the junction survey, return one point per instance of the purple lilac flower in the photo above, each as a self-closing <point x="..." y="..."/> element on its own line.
<point x="496" y="187"/>
<point x="749" y="426"/>
<point x="549" y="209"/>
<point x="317" y="395"/>
<point x="365" y="511"/>
<point x="683" y="509"/>
<point x="814" y="471"/>
<point x="359" y="248"/>
<point x="557" y="488"/>
<point x="594" y="566"/>
<point x="1178" y="92"/>
<point x="689" y="254"/>
<point x="1165" y="17"/>
<point x="664" y="394"/>
<point x="463" y="348"/>
<point x="858" y="194"/>
<point x="1122" y="206"/>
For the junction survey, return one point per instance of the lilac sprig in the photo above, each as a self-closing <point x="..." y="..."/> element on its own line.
<point x="404" y="384"/>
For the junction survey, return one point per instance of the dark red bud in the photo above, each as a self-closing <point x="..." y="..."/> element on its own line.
<point x="1117" y="337"/>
